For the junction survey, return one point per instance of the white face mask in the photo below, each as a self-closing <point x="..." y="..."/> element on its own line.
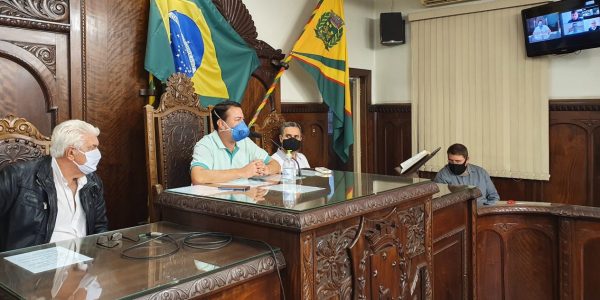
<point x="92" y="158"/>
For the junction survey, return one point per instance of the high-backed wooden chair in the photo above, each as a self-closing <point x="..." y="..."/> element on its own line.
<point x="172" y="130"/>
<point x="269" y="131"/>
<point x="20" y="141"/>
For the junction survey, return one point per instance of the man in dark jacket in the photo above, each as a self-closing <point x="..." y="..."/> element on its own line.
<point x="56" y="197"/>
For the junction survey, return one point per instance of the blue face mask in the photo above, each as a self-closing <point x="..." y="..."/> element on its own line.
<point x="239" y="132"/>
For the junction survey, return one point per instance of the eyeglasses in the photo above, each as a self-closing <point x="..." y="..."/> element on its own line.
<point x="110" y="241"/>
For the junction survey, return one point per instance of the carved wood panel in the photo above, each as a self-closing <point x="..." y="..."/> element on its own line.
<point x="387" y="253"/>
<point x="334" y="269"/>
<point x="451" y="226"/>
<point x="44" y="15"/>
<point x="20" y="141"/>
<point x="517" y="257"/>
<point x="569" y="148"/>
<point x="34" y="81"/>
<point x="581" y="239"/>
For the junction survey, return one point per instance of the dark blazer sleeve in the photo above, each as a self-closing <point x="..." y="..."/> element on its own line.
<point x="101" y="222"/>
<point x="8" y="189"/>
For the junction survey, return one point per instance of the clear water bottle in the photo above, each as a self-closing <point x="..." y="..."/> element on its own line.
<point x="288" y="178"/>
<point x="288" y="173"/>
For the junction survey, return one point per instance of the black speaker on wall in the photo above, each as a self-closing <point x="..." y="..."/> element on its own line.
<point x="391" y="28"/>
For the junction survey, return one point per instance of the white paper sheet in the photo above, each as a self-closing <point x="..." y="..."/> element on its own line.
<point x="248" y="182"/>
<point x="300" y="189"/>
<point x="204" y="266"/>
<point x="47" y="259"/>
<point x="198" y="190"/>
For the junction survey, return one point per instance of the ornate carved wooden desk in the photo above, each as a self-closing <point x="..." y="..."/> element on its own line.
<point x="362" y="236"/>
<point x="240" y="270"/>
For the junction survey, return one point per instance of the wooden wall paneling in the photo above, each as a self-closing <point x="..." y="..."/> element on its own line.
<point x="114" y="47"/>
<point x="580" y="261"/>
<point x="569" y="180"/>
<point x="77" y="59"/>
<point x="34" y="80"/>
<point x="451" y="251"/>
<point x="574" y="140"/>
<point x="313" y="119"/>
<point x="392" y="136"/>
<point x="517" y="257"/>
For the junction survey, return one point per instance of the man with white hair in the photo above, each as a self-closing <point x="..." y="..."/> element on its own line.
<point x="56" y="197"/>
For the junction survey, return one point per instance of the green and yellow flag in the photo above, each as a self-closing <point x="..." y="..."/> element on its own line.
<point x="192" y="37"/>
<point x="322" y="51"/>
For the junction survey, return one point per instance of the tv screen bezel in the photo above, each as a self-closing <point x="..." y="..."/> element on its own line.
<point x="564" y="44"/>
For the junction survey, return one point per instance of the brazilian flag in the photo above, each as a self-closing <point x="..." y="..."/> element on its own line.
<point x="192" y="37"/>
<point x="322" y="51"/>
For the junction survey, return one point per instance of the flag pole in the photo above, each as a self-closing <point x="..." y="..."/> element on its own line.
<point x="284" y="66"/>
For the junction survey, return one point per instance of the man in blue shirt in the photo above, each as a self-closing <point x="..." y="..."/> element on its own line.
<point x="459" y="171"/>
<point x="227" y="153"/>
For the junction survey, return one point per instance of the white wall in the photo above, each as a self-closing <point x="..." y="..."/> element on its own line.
<point x="572" y="76"/>
<point x="280" y="22"/>
<point x="575" y="75"/>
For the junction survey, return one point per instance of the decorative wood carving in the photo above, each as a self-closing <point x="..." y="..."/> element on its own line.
<point x="52" y="15"/>
<point x="45" y="53"/>
<point x="47" y="10"/>
<point x="20" y="141"/>
<point x="303" y="220"/>
<point x="575" y="105"/>
<point x="181" y="130"/>
<point x="388" y="246"/>
<point x="221" y="279"/>
<point x="84" y="55"/>
<point x="390" y="108"/>
<point x="33" y="24"/>
<point x="504" y="227"/>
<point x="565" y="235"/>
<point x="172" y="130"/>
<point x="414" y="222"/>
<point x="556" y="209"/>
<point x="179" y="92"/>
<point x="307" y="267"/>
<point x="589" y="123"/>
<point x="334" y="276"/>
<point x="236" y="13"/>
<point x="15" y="125"/>
<point x="269" y="131"/>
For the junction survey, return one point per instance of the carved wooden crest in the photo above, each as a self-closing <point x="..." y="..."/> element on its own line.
<point x="179" y="92"/>
<point x="14" y="125"/>
<point x="20" y="141"/>
<point x="270" y="130"/>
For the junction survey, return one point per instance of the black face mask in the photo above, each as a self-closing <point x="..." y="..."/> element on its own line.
<point x="458" y="169"/>
<point x="291" y="144"/>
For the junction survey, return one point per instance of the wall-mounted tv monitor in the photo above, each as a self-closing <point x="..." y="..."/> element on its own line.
<point x="561" y="27"/>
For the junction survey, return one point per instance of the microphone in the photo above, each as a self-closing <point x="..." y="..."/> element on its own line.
<point x="254" y="134"/>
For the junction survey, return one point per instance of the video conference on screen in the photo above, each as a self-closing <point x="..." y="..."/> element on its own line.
<point x="558" y="24"/>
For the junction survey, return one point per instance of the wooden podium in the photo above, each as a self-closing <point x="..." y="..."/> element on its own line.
<point x="411" y="172"/>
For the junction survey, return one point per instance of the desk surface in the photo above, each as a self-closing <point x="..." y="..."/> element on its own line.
<point x="322" y="191"/>
<point x="188" y="272"/>
<point x="342" y="196"/>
